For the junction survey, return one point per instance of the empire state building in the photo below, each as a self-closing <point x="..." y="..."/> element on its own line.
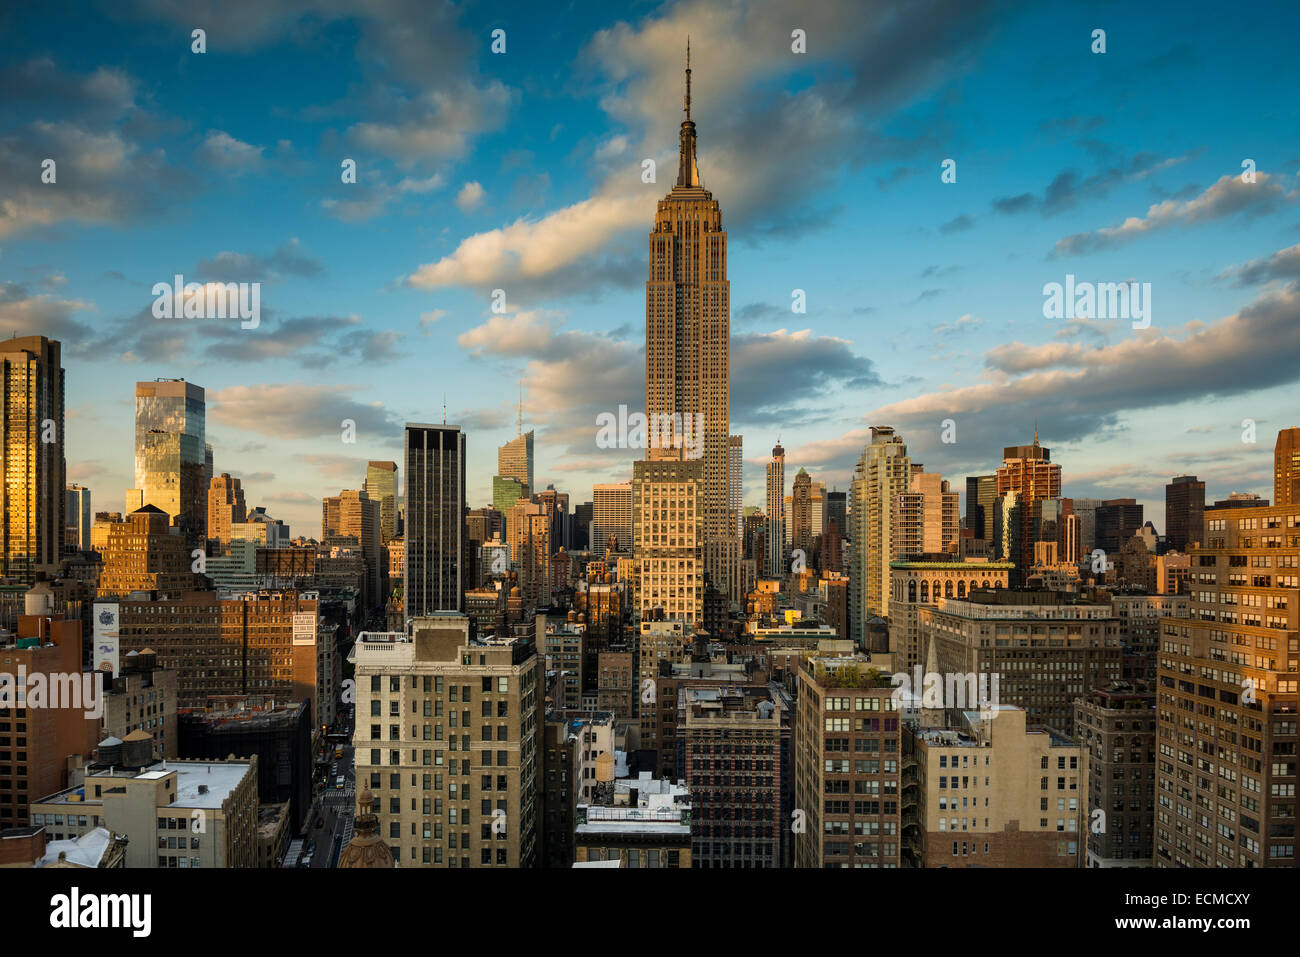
<point x="688" y="327"/>
<point x="684" y="526"/>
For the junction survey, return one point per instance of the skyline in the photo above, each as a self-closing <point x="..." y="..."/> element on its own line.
<point x="1075" y="191"/>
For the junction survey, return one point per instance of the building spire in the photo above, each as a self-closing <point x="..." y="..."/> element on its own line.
<point x="1035" y="430"/>
<point x="688" y="173"/>
<point x="686" y="102"/>
<point x="521" y="406"/>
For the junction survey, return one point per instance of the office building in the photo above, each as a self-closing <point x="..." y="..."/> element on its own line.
<point x="882" y="475"/>
<point x="226" y="507"/>
<point x="515" y="461"/>
<point x="173" y="814"/>
<point x="775" y="559"/>
<point x="924" y="580"/>
<point x="1117" y="725"/>
<point x="170" y="452"/>
<point x="278" y="733"/>
<point x="734" y="747"/>
<point x="1286" y="468"/>
<point x="381" y="486"/>
<point x="434" y="457"/>
<point x="1046" y="648"/>
<point x="688" y="319"/>
<point x="142" y="696"/>
<point x="1184" y="511"/>
<point x="32" y="522"/>
<point x="1139" y="618"/>
<point x="667" y="537"/>
<point x="583" y="516"/>
<point x="259" y="642"/>
<point x="144" y="552"/>
<point x="736" y="483"/>
<point x="46" y="649"/>
<point x="648" y="824"/>
<point x="926" y="517"/>
<point x="1028" y="471"/>
<point x="1118" y="520"/>
<point x="846" y="765"/>
<point x="611" y="515"/>
<point x="981" y="492"/>
<point x="986" y="788"/>
<point x="449" y="741"/>
<point x="79" y="519"/>
<point x="355" y="515"/>
<point x="1226" y="698"/>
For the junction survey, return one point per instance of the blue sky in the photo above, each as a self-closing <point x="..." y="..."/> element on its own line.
<point x="522" y="172"/>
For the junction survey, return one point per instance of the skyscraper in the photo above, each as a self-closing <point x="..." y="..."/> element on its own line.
<point x="688" y="323"/>
<point x="515" y="460"/>
<point x="1286" y="468"/>
<point x="775" y="509"/>
<point x="1028" y="471"/>
<point x="981" y="492"/>
<point x="31" y="513"/>
<point x="355" y="514"/>
<point x="1226" y="698"/>
<point x="79" y="517"/>
<point x="667" y="541"/>
<point x="226" y="507"/>
<point x="881" y="477"/>
<point x="170" y="452"/>
<point x="381" y="485"/>
<point x="735" y="482"/>
<point x="1185" y="510"/>
<point x="611" y="515"/>
<point x="1117" y="521"/>
<point x="925" y="516"/>
<point x="837" y="510"/>
<point x="434" y="460"/>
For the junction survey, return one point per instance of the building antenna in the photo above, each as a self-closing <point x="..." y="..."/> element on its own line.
<point x="444" y="408"/>
<point x="521" y="406"/>
<point x="686" y="100"/>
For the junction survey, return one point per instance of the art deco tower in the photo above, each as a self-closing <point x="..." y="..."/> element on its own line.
<point x="688" y="320"/>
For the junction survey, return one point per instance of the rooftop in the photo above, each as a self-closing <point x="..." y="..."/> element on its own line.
<point x="217" y="779"/>
<point x="85" y="851"/>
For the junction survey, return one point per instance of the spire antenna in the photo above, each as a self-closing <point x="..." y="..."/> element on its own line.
<point x="688" y="173"/>
<point x="686" y="101"/>
<point x="444" y="408"/>
<point x="521" y="406"/>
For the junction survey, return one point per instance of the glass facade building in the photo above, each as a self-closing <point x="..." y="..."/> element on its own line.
<point x="170" y="451"/>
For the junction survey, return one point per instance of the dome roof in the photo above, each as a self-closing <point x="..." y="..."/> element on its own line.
<point x="367" y="848"/>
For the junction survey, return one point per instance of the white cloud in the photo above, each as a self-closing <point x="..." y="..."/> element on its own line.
<point x="1227" y="197"/>
<point x="470" y="196"/>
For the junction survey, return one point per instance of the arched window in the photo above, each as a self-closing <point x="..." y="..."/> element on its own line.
<point x="947" y="588"/>
<point x="925" y="591"/>
<point x="911" y="591"/>
<point x="961" y="589"/>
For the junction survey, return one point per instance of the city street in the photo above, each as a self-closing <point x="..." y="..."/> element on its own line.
<point x="334" y="808"/>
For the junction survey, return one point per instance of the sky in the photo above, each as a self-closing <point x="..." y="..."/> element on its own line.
<point x="523" y="171"/>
